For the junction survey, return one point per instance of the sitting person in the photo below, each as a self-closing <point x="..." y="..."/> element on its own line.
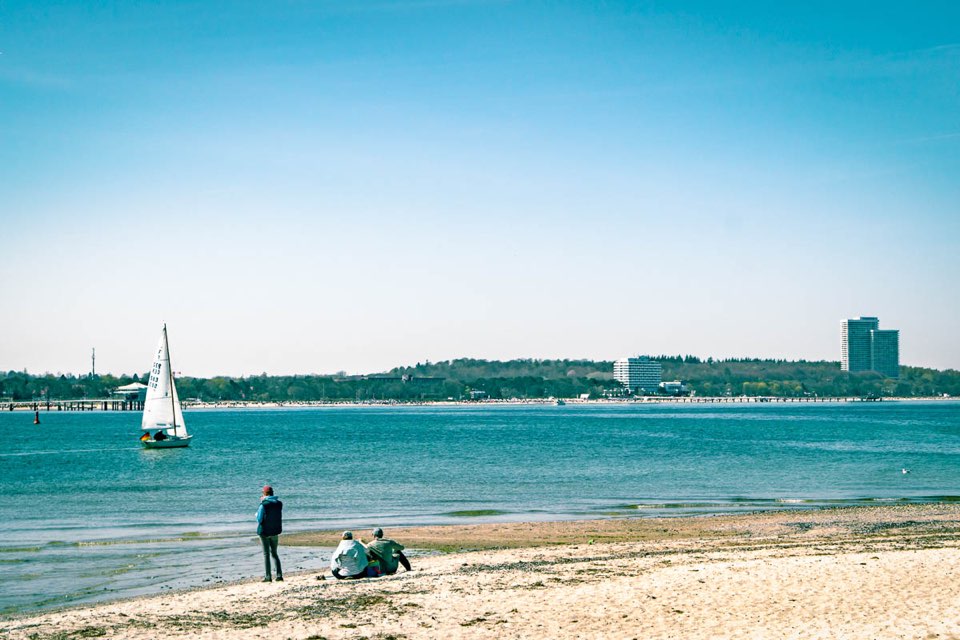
<point x="159" y="435"/>
<point x="350" y="559"/>
<point x="388" y="552"/>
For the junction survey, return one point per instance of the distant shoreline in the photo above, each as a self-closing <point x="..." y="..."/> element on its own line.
<point x="96" y="404"/>
<point x="548" y="402"/>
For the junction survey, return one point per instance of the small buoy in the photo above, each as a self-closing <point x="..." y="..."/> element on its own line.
<point x="36" y="417"/>
<point x="904" y="471"/>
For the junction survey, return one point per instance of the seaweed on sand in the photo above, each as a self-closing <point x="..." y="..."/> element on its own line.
<point x="352" y="604"/>
<point x="222" y="618"/>
<point x="85" y="632"/>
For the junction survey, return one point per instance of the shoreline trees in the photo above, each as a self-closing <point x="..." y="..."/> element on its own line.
<point x="521" y="378"/>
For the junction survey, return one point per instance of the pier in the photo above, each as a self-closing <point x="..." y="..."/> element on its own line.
<point x="115" y="404"/>
<point x="753" y="399"/>
<point x="102" y="404"/>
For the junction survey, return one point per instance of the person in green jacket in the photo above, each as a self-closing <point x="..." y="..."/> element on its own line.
<point x="388" y="552"/>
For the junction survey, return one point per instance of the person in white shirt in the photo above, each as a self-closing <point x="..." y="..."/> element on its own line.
<point x="350" y="558"/>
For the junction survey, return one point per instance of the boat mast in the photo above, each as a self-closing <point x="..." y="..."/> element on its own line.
<point x="173" y="393"/>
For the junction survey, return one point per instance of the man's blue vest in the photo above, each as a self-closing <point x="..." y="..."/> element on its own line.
<point x="272" y="524"/>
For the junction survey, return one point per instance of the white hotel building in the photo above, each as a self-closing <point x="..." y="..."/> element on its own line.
<point x="639" y="374"/>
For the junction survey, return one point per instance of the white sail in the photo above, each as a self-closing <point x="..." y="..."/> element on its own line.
<point x="161" y="408"/>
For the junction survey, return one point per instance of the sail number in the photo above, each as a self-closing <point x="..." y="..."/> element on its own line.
<point x="155" y="375"/>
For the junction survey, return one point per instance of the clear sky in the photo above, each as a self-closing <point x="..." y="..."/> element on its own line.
<point x="307" y="187"/>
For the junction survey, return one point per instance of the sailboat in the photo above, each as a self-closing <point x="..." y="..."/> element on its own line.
<point x="161" y="408"/>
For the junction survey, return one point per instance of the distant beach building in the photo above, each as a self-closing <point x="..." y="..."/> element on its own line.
<point x="638" y="374"/>
<point x="855" y="345"/>
<point x="132" y="391"/>
<point x="885" y="351"/>
<point x="674" y="388"/>
<point x="867" y="347"/>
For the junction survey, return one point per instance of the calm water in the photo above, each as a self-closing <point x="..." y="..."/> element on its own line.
<point x="89" y="515"/>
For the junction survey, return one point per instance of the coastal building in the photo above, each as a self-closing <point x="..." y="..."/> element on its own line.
<point x="639" y="374"/>
<point x="674" y="388"/>
<point x="866" y="347"/>
<point x="855" y="343"/>
<point x="132" y="391"/>
<point x="885" y="352"/>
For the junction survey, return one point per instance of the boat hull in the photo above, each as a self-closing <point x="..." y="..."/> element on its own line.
<point x="168" y="443"/>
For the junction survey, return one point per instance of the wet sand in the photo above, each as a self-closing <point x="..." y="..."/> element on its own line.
<point x="877" y="572"/>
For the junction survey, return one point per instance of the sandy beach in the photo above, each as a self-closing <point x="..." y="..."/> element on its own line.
<point x="883" y="572"/>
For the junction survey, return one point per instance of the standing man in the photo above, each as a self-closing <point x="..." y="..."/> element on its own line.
<point x="269" y="527"/>
<point x="388" y="552"/>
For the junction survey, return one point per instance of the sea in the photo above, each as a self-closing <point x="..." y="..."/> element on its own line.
<point x="88" y="515"/>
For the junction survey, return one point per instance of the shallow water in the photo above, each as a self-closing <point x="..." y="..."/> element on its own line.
<point x="90" y="515"/>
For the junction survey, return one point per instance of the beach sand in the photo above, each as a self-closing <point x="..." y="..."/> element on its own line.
<point x="877" y="572"/>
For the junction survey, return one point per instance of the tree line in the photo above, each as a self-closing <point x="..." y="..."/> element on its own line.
<point x="513" y="379"/>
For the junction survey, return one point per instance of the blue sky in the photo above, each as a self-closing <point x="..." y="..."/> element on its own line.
<point x="323" y="186"/>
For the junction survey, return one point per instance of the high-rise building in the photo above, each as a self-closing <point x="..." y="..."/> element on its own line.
<point x="638" y="374"/>
<point x="885" y="352"/>
<point x="855" y="348"/>
<point x="866" y="347"/>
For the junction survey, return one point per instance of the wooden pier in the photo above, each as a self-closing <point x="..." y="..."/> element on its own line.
<point x="108" y="404"/>
<point x="753" y="399"/>
<point x="115" y="404"/>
